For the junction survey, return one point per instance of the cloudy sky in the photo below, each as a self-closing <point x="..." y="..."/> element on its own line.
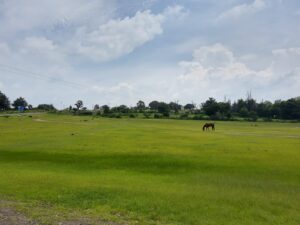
<point x="121" y="51"/>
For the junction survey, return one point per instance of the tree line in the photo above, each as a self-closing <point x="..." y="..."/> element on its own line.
<point x="248" y="109"/>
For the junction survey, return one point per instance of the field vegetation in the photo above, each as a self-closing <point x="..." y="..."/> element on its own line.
<point x="59" y="168"/>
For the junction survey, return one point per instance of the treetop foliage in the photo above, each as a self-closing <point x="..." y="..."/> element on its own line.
<point x="247" y="108"/>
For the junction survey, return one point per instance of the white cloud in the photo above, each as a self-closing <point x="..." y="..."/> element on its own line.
<point x="216" y="55"/>
<point x="57" y="39"/>
<point x="39" y="44"/>
<point x="243" y="9"/>
<point x="286" y="61"/>
<point x="120" y="37"/>
<point x="216" y="62"/>
<point x="216" y="71"/>
<point x="177" y="11"/>
<point x="4" y="49"/>
<point x="29" y="15"/>
<point x="287" y="51"/>
<point x="116" y="89"/>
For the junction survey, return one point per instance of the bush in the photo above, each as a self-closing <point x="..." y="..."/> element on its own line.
<point x="216" y="116"/>
<point x="118" y="116"/>
<point x="158" y="116"/>
<point x="166" y="114"/>
<point x="147" y="115"/>
<point x="97" y="113"/>
<point x="253" y="116"/>
<point x="184" y="116"/>
<point x="198" y="117"/>
<point x="267" y="120"/>
<point x="46" y="107"/>
<point x="115" y="115"/>
<point x="84" y="113"/>
<point x="132" y="116"/>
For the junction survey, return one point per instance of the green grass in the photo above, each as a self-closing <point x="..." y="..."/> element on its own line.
<point x="140" y="171"/>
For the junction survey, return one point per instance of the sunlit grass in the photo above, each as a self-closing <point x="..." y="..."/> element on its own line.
<point x="153" y="171"/>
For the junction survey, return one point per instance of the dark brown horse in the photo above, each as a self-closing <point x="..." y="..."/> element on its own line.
<point x="208" y="125"/>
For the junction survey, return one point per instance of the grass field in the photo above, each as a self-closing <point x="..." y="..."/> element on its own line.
<point x="136" y="171"/>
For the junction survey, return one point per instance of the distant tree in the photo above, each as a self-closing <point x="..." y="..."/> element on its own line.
<point x="237" y="106"/>
<point x="210" y="107"/>
<point x="123" y="109"/>
<point x="244" y="112"/>
<point x="264" y="109"/>
<point x="105" y="109"/>
<point x="164" y="109"/>
<point x="253" y="115"/>
<point x="290" y="109"/>
<point x="46" y="107"/>
<point x="251" y="104"/>
<point x="30" y="107"/>
<point x="276" y="109"/>
<point x="175" y="107"/>
<point x="4" y="102"/>
<point x="19" y="102"/>
<point x="140" y="105"/>
<point x="189" y="106"/>
<point x="79" y="104"/>
<point x="225" y="109"/>
<point x="96" y="107"/>
<point x="154" y="105"/>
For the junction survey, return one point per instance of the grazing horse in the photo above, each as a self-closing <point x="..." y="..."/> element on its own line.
<point x="208" y="125"/>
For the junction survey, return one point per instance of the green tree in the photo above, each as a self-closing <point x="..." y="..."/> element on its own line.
<point x="175" y="107"/>
<point x="189" y="106"/>
<point x="225" y="109"/>
<point x="4" y="102"/>
<point x="20" y="102"/>
<point x="123" y="109"/>
<point x="79" y="104"/>
<point x="244" y="112"/>
<point x="96" y="107"/>
<point x="164" y="109"/>
<point x="140" y="105"/>
<point x="46" y="107"/>
<point x="210" y="107"/>
<point x="105" y="109"/>
<point x="290" y="109"/>
<point x="264" y="109"/>
<point x="154" y="105"/>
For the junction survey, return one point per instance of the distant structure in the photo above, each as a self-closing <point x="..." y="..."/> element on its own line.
<point x="21" y="109"/>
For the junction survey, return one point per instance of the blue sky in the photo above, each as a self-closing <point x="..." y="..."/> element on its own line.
<point x="117" y="51"/>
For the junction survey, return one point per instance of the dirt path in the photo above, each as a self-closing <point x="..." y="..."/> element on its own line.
<point x="21" y="114"/>
<point x="9" y="216"/>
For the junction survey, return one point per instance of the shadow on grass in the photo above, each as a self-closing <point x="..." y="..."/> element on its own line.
<point x="140" y="162"/>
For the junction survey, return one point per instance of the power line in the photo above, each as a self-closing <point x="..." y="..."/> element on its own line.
<point x="20" y="72"/>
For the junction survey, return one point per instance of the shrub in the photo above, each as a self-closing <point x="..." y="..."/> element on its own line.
<point x="115" y="115"/>
<point x="147" y="115"/>
<point x="97" y="113"/>
<point x="132" y="116"/>
<point x="216" y="116"/>
<point x="84" y="113"/>
<point x="158" y="116"/>
<point x="267" y="120"/>
<point x="184" y="116"/>
<point x="198" y="117"/>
